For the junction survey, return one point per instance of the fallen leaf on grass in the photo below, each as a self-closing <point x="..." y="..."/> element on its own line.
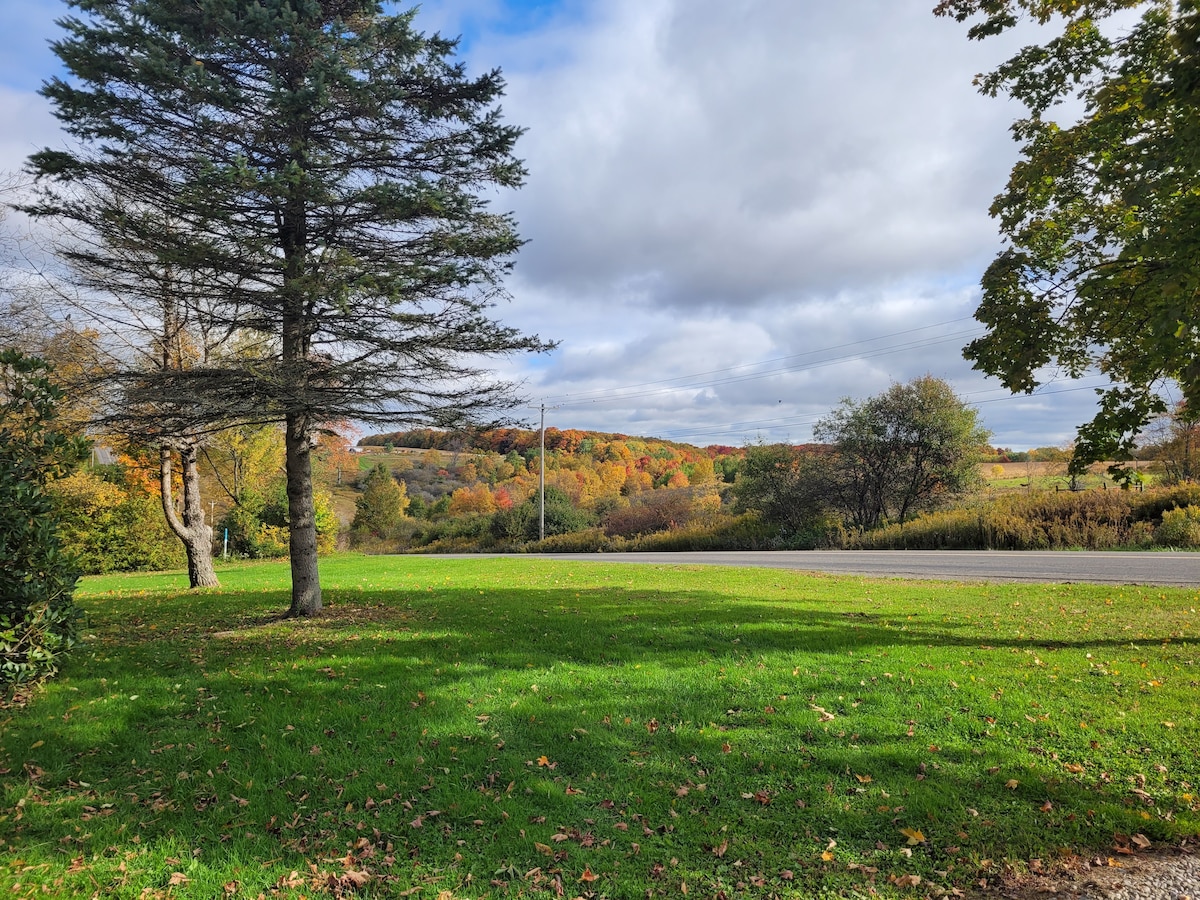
<point x="826" y="715"/>
<point x="588" y="875"/>
<point x="914" y="835"/>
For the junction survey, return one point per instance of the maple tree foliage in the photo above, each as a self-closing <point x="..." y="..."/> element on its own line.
<point x="1100" y="215"/>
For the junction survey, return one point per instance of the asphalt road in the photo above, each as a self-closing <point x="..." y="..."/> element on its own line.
<point x="1161" y="568"/>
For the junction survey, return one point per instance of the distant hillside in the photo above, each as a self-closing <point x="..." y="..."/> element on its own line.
<point x="506" y="440"/>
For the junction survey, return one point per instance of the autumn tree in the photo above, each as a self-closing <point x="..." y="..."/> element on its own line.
<point x="911" y="448"/>
<point x="316" y="170"/>
<point x="381" y="505"/>
<point x="1100" y="214"/>
<point x="1174" y="441"/>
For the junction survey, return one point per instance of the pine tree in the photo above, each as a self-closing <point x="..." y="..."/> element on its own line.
<point x="314" y="170"/>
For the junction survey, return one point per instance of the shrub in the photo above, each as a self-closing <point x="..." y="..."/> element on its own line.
<point x="258" y="524"/>
<point x="38" y="618"/>
<point x="1179" y="528"/>
<point x="744" y="532"/>
<point x="522" y="522"/>
<point x="106" y="527"/>
<point x="593" y="540"/>
<point x="660" y="510"/>
<point x="382" y="504"/>
<point x="1043" y="520"/>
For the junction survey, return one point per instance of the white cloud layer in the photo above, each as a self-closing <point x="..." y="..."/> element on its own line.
<point x="718" y="184"/>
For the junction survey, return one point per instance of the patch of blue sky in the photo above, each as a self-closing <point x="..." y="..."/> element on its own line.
<point x="476" y="22"/>
<point x="26" y="30"/>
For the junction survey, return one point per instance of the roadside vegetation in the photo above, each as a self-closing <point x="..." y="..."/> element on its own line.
<point x="533" y="728"/>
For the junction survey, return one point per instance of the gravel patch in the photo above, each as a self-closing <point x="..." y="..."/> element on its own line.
<point x="1153" y="876"/>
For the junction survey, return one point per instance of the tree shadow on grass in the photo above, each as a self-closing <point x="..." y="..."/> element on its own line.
<point x="675" y="721"/>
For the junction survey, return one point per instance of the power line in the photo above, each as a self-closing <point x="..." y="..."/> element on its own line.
<point x="740" y="428"/>
<point x="615" y="395"/>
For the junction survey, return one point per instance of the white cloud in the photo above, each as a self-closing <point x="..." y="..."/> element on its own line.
<point x="715" y="184"/>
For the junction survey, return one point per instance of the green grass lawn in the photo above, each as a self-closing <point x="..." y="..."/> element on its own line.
<point x="529" y="728"/>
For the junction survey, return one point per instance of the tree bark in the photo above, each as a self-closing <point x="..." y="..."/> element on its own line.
<point x="192" y="531"/>
<point x="302" y="520"/>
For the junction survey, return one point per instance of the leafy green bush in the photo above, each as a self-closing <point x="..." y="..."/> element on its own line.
<point x="258" y="523"/>
<point x="522" y="522"/>
<point x="38" y="618"/>
<point x="106" y="527"/>
<point x="1179" y="528"/>
<point x="381" y="506"/>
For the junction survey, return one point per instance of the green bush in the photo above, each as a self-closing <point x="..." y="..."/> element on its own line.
<point x="107" y="528"/>
<point x="523" y="522"/>
<point x="380" y="507"/>
<point x="258" y="523"/>
<point x="38" y="618"/>
<point x="1179" y="528"/>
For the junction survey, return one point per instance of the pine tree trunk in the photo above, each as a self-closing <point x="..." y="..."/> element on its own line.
<point x="302" y="521"/>
<point x="192" y="531"/>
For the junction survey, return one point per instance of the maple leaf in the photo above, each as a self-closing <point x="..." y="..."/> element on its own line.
<point x="719" y="851"/>
<point x="544" y="761"/>
<point x="1011" y="784"/>
<point x="914" y="835"/>
<point x="178" y="878"/>
<point x="827" y="855"/>
<point x="355" y="878"/>
<point x="588" y="875"/>
<point x="864" y="779"/>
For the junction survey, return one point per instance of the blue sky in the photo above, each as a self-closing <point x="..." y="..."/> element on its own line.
<point x="738" y="211"/>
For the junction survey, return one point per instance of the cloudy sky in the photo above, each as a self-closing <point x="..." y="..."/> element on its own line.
<point x="738" y="211"/>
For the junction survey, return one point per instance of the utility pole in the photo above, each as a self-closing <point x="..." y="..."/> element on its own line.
<point x="542" y="479"/>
